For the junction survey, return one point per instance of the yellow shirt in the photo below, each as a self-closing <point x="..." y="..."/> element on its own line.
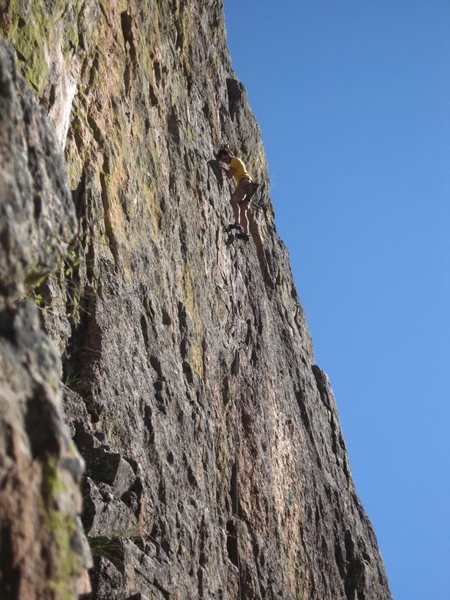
<point x="240" y="172"/>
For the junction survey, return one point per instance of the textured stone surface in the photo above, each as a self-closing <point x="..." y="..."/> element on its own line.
<point x="215" y="463"/>
<point x="36" y="212"/>
<point x="43" y="552"/>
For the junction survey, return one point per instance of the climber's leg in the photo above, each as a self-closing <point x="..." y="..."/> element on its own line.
<point x="236" y="198"/>
<point x="243" y="217"/>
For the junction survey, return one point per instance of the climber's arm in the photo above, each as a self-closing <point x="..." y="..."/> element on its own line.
<point x="229" y="171"/>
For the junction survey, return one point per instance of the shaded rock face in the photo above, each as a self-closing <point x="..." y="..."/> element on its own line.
<point x="215" y="463"/>
<point x="42" y="546"/>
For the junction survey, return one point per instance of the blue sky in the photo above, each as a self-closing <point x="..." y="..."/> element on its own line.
<point x="353" y="100"/>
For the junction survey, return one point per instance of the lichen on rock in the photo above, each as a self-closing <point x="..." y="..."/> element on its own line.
<point x="215" y="463"/>
<point x="41" y="539"/>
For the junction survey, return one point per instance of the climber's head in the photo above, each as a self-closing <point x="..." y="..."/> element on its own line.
<point x="224" y="154"/>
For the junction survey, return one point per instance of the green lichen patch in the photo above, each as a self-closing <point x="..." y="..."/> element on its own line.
<point x="52" y="483"/>
<point x="30" y="39"/>
<point x="61" y="528"/>
<point x="67" y="563"/>
<point x="34" y="33"/>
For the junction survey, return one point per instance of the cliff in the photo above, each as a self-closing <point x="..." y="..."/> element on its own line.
<point x="139" y="338"/>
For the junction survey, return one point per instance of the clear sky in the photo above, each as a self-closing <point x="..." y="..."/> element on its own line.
<point x="353" y="100"/>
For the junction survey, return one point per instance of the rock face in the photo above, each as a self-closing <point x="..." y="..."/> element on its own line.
<point x="215" y="463"/>
<point x="42" y="543"/>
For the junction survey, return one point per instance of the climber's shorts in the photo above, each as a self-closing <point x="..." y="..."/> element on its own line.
<point x="243" y="192"/>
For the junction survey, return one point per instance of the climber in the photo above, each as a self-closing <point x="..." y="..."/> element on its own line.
<point x="240" y="198"/>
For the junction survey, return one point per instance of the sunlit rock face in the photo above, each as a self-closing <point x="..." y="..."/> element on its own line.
<point x="215" y="466"/>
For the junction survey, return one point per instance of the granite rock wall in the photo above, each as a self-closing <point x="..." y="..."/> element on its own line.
<point x="43" y="551"/>
<point x="215" y="466"/>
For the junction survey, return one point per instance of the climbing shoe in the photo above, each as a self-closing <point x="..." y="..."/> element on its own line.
<point x="232" y="226"/>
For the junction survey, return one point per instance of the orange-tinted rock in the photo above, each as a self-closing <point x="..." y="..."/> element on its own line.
<point x="215" y="463"/>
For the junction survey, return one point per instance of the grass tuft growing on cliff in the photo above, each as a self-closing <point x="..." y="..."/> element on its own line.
<point x="112" y="547"/>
